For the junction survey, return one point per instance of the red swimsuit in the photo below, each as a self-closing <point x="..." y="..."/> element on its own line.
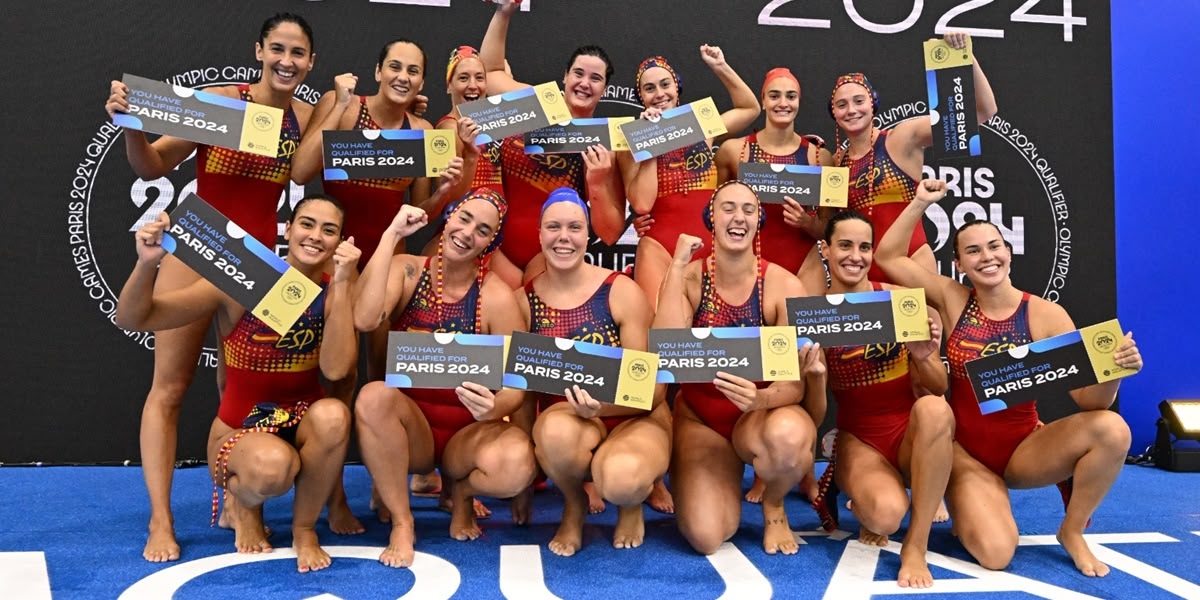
<point x="709" y="404"/>
<point x="442" y="408"/>
<point x="991" y="438"/>
<point x="247" y="187"/>
<point x="370" y="204"/>
<point x="686" y="180"/>
<point x="781" y="244"/>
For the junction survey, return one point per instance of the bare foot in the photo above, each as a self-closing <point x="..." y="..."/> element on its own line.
<point x="161" y="545"/>
<point x="381" y="510"/>
<point x="754" y="495"/>
<point x="595" y="500"/>
<point x="462" y="522"/>
<point x="309" y="555"/>
<point x="660" y="498"/>
<point x="446" y="504"/>
<point x="342" y="521"/>
<point x="942" y="515"/>
<point x="871" y="538"/>
<point x="521" y="506"/>
<point x="777" y="533"/>
<point x="249" y="534"/>
<point x="225" y="521"/>
<point x="569" y="537"/>
<point x="914" y="571"/>
<point x="399" y="552"/>
<point x="631" y="527"/>
<point x="427" y="485"/>
<point x="1077" y="548"/>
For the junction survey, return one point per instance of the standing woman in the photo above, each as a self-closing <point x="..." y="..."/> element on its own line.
<point x="674" y="188"/>
<point x="371" y="203"/>
<point x="723" y="426"/>
<point x="462" y="431"/>
<point x="885" y="165"/>
<point x="244" y="187"/>
<point x="529" y="178"/>
<point x="275" y="426"/>
<point x="895" y="429"/>
<point x="1083" y="452"/>
<point x="466" y="81"/>
<point x="778" y="143"/>
<point x="621" y="450"/>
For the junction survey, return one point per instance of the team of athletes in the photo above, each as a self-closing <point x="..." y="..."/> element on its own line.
<point x="710" y="255"/>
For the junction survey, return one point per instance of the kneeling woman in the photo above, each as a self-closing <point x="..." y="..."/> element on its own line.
<point x="894" y="427"/>
<point x="275" y="427"/>
<point x="461" y="430"/>
<point x="723" y="426"/>
<point x="1010" y="448"/>
<point x="622" y="450"/>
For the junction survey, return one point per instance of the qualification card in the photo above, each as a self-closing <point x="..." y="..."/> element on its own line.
<point x="384" y="153"/>
<point x="201" y="117"/>
<point x="239" y="265"/>
<point x="444" y="360"/>
<point x="1047" y="367"/>
<point x="696" y="354"/>
<point x="950" y="79"/>
<point x="577" y="136"/>
<point x="516" y="112"/>
<point x="678" y="127"/>
<point x="609" y="373"/>
<point x="810" y="185"/>
<point x="883" y="317"/>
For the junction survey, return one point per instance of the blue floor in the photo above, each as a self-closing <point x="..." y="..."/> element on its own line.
<point x="83" y="528"/>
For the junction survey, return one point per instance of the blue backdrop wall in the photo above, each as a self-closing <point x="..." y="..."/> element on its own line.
<point x="1155" y="61"/>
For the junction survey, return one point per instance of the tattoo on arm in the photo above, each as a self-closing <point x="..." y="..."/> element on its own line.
<point x="410" y="271"/>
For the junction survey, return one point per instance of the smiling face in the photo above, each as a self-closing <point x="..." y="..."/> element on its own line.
<point x="657" y="89"/>
<point x="286" y="56"/>
<point x="781" y="101"/>
<point x="314" y="232"/>
<point x="583" y="84"/>
<point x="564" y="235"/>
<point x="401" y="73"/>
<point x="735" y="218"/>
<point x="852" y="108"/>
<point x="468" y="82"/>
<point x="850" y="251"/>
<point x="470" y="229"/>
<point x="981" y="254"/>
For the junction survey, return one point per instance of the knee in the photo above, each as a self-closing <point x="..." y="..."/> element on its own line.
<point x="706" y="540"/>
<point x="375" y="402"/>
<point x="622" y="478"/>
<point x="991" y="550"/>
<point x="513" y="462"/>
<point x="788" y="434"/>
<point x="557" y="433"/>
<point x="271" y="472"/>
<point x="168" y="392"/>
<point x="329" y="421"/>
<point x="933" y="415"/>
<point x="881" y="515"/>
<point x="1110" y="430"/>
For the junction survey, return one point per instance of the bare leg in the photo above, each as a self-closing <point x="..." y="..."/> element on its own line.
<point x="880" y="500"/>
<point x="564" y="444"/>
<point x="1090" y="446"/>
<point x="394" y="437"/>
<point x="926" y="454"/>
<point x="341" y="520"/>
<point x="176" y="353"/>
<point x="652" y="261"/>
<point x="706" y="475"/>
<point x="491" y="458"/>
<point x="633" y="456"/>
<point x="778" y="443"/>
<point x="978" y="503"/>
<point x="260" y="466"/>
